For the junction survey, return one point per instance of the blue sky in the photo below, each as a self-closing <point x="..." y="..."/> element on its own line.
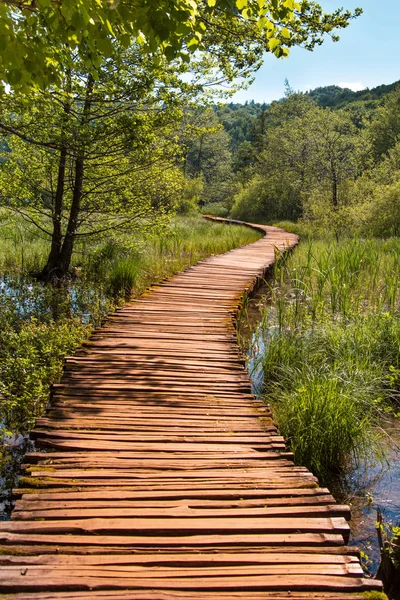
<point x="367" y="55"/>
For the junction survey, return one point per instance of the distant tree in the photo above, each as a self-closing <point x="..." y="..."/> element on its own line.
<point x="304" y="150"/>
<point x="238" y="121"/>
<point x="333" y="96"/>
<point x="338" y="150"/>
<point x="384" y="129"/>
<point x="207" y="155"/>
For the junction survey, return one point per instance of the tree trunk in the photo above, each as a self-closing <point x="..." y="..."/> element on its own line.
<point x="50" y="271"/>
<point x="334" y="192"/>
<point x="63" y="261"/>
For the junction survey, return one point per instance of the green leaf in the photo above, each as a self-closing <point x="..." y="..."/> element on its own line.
<point x="105" y="46"/>
<point x="14" y="76"/>
<point x="273" y="44"/>
<point x="241" y="4"/>
<point x="193" y="43"/>
<point x="125" y="40"/>
<point x="183" y="28"/>
<point x="289" y="4"/>
<point x="109" y="27"/>
<point x="169" y="53"/>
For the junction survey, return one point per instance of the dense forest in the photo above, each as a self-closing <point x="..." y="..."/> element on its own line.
<point x="327" y="156"/>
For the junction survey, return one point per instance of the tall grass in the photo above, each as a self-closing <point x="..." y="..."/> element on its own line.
<point x="126" y="262"/>
<point x="331" y="332"/>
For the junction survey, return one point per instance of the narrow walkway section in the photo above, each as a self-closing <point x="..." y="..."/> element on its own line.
<point x="163" y="478"/>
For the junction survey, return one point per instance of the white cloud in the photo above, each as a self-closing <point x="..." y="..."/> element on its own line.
<point x="356" y="86"/>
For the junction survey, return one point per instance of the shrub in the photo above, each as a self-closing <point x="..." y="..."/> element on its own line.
<point x="30" y="360"/>
<point x="264" y="199"/>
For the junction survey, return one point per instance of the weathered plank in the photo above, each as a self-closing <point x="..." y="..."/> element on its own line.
<point x="163" y="478"/>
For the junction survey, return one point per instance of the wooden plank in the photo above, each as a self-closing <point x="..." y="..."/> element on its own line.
<point x="259" y="558"/>
<point x="180" y="525"/>
<point x="34" y="506"/>
<point x="188" y="595"/>
<point x="164" y="478"/>
<point x="118" y="512"/>
<point x="232" y="540"/>
<point x="323" y="582"/>
<point x="232" y="493"/>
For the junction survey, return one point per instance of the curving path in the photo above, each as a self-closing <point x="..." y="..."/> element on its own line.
<point x="164" y="479"/>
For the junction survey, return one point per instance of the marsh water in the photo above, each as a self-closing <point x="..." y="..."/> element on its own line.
<point x="365" y="488"/>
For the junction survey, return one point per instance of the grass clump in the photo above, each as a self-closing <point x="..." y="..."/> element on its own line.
<point x="331" y="333"/>
<point x="122" y="278"/>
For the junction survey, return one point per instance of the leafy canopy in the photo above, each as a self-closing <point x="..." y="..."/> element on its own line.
<point x="36" y="36"/>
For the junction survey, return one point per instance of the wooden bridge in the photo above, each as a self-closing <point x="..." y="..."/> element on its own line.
<point x="160" y="477"/>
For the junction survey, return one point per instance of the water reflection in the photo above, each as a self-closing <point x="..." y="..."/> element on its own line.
<point x="25" y="299"/>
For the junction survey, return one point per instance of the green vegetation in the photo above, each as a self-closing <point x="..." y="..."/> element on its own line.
<point x="245" y="123"/>
<point x="97" y="156"/>
<point x="374" y="596"/>
<point x="238" y="120"/>
<point x="332" y="166"/>
<point x="86" y="136"/>
<point x="108" y="133"/>
<point x="331" y="333"/>
<point x="37" y="37"/>
<point x="333" y="96"/>
<point x="40" y="324"/>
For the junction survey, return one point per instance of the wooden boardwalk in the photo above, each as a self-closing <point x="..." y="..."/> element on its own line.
<point x="164" y="479"/>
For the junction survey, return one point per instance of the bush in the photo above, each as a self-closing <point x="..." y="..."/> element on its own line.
<point x="30" y="360"/>
<point x="216" y="209"/>
<point x="382" y="214"/>
<point x="264" y="199"/>
<point x="190" y="196"/>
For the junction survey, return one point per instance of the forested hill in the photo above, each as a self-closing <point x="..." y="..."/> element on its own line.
<point x="240" y="120"/>
<point x="334" y="96"/>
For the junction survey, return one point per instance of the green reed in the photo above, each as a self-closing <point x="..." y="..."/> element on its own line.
<point x="331" y="326"/>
